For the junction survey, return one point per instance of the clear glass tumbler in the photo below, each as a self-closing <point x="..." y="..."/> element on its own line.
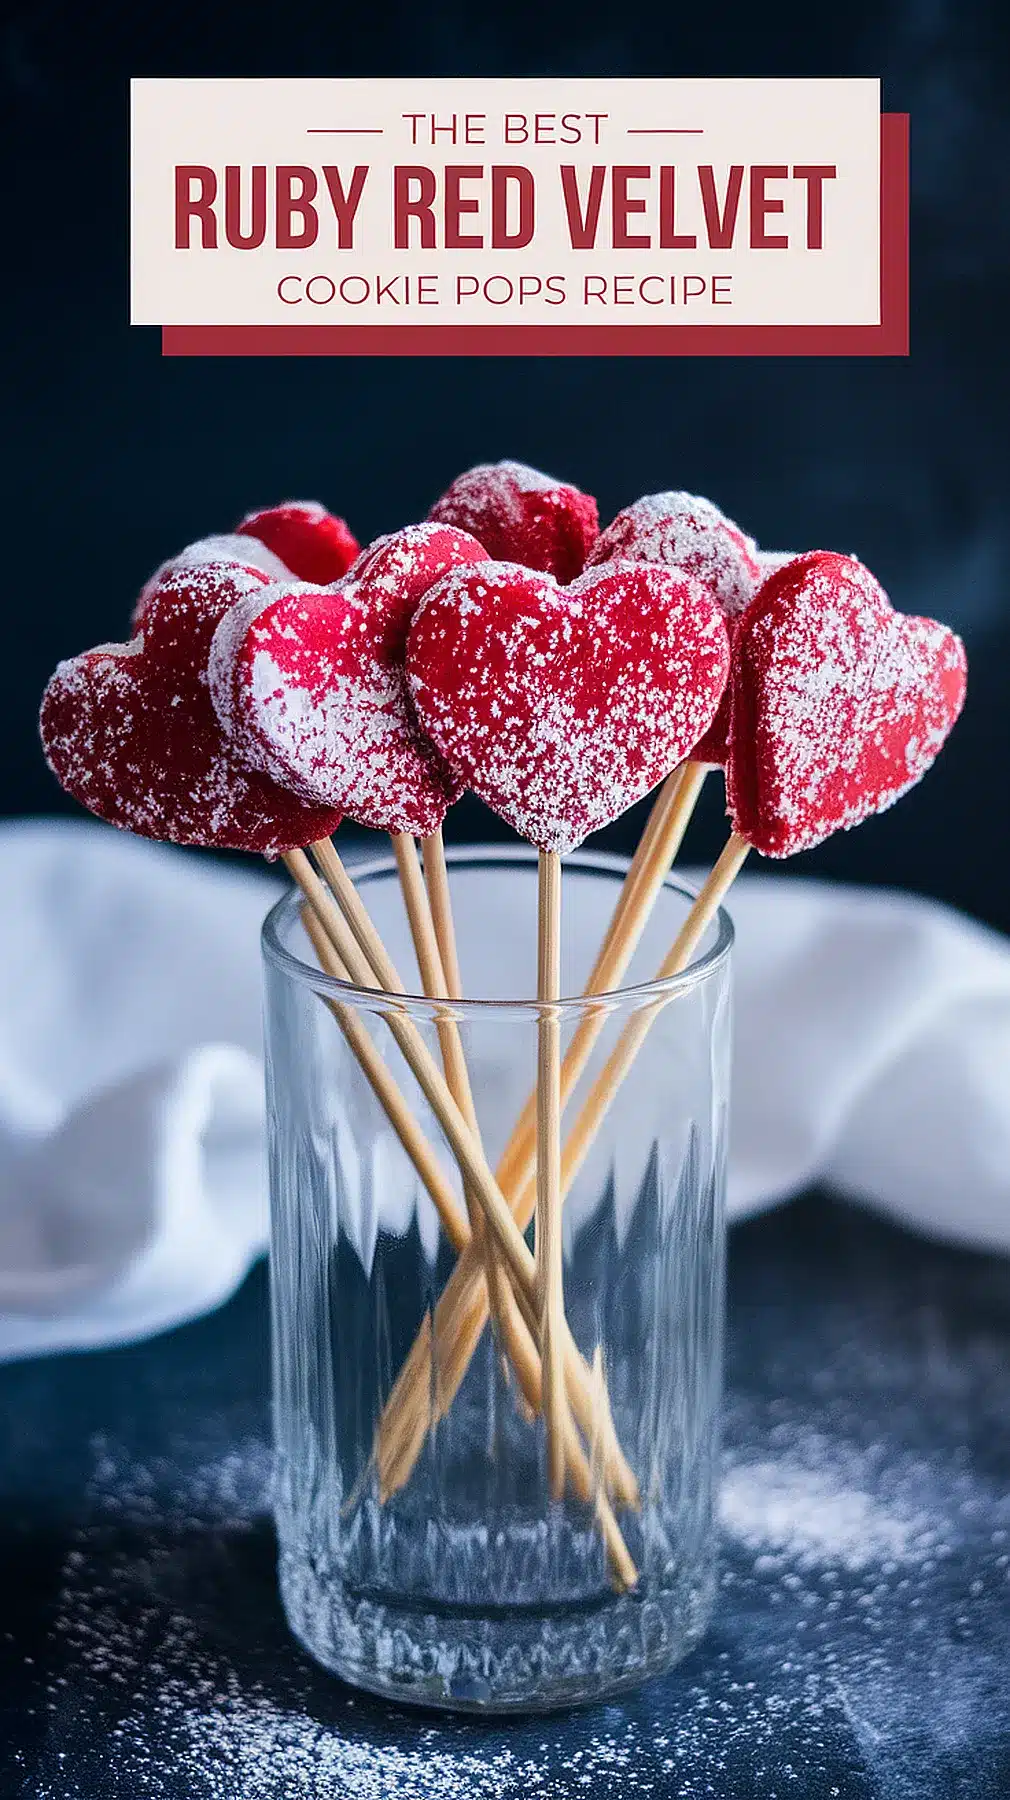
<point x="425" y="1560"/>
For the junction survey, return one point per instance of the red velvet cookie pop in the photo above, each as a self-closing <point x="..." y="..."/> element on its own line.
<point x="520" y="515"/>
<point x="130" y="731"/>
<point x="308" y="684"/>
<point x="839" y="703"/>
<point x="313" y="543"/>
<point x="561" y="706"/>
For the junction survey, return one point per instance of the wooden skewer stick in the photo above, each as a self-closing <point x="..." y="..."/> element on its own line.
<point x="521" y="1346"/>
<point x="464" y="1309"/>
<point x="358" y="917"/>
<point x="388" y="1094"/>
<point x="422" y="925"/>
<point x="433" y="975"/>
<point x="469" y="1155"/>
<point x="620" y="1476"/>
<point x="408" y="1405"/>
<point x="437" y="985"/>
<point x="598" y="1426"/>
<point x="658" y="813"/>
<point x="436" y="882"/>
<point x="549" y="1252"/>
<point x="614" y="1070"/>
<point x="665" y="830"/>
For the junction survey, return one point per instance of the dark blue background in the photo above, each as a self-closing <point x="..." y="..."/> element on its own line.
<point x="117" y="457"/>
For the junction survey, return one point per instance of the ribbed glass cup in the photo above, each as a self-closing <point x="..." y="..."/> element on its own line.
<point x="468" y="1587"/>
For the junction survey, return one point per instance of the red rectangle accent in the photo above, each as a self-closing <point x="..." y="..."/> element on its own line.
<point x="889" y="338"/>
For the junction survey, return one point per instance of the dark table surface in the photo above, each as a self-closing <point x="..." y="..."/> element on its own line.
<point x="861" y="1645"/>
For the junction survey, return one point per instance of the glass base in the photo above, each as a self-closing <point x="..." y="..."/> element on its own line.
<point x="528" y="1660"/>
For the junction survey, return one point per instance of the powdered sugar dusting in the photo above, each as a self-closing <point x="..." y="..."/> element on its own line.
<point x="227" y="547"/>
<point x="398" y="568"/>
<point x="713" y="748"/>
<point x="527" y="480"/>
<point x="228" y="638"/>
<point x="562" y="706"/>
<point x="839" y="704"/>
<point x="688" y="532"/>
<point x="308" y="683"/>
<point x="807" y="1513"/>
<point x="312" y="511"/>
<point x="130" y="732"/>
<point x="352" y="738"/>
<point x="231" y="547"/>
<point x="769" y="561"/>
<point x="521" y="515"/>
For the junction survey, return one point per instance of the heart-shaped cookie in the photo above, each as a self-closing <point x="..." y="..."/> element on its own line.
<point x="312" y="543"/>
<point x="520" y="515"/>
<point x="308" y="683"/>
<point x="130" y="731"/>
<point x="839" y="703"/>
<point x="561" y="706"/>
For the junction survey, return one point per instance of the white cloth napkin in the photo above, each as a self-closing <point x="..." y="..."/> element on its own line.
<point x="872" y="1053"/>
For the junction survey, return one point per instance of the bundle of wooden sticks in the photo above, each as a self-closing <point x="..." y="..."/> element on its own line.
<point x="279" y="680"/>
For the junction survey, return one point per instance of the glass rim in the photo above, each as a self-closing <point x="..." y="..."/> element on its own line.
<point x="599" y="862"/>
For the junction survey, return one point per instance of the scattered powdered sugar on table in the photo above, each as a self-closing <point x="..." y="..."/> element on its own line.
<point x="231" y="1486"/>
<point x="814" y="1513"/>
<point x="844" y="1637"/>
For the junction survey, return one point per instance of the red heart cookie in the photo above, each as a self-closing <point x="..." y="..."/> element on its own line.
<point x="685" y="531"/>
<point x="130" y="731"/>
<point x="312" y="543"/>
<point x="561" y="706"/>
<point x="522" y="516"/>
<point x="227" y="547"/>
<point x="308" y="684"/>
<point x="839" y="703"/>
